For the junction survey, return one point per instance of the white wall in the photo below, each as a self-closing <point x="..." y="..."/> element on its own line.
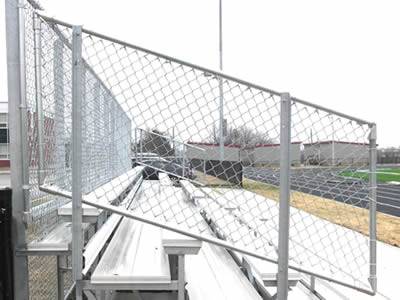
<point x="212" y="152"/>
<point x="270" y="154"/>
<point x="343" y="153"/>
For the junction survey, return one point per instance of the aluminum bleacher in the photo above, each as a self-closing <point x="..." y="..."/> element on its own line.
<point x="224" y="213"/>
<point x="128" y="256"/>
<point x="131" y="256"/>
<point x="109" y="192"/>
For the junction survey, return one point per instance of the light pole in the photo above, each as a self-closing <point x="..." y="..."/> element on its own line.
<point x="221" y="92"/>
<point x="220" y="36"/>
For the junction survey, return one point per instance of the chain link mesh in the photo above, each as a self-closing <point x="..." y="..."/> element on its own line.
<point x="173" y="105"/>
<point x="42" y="269"/>
<point x="53" y="116"/>
<point x="218" y="134"/>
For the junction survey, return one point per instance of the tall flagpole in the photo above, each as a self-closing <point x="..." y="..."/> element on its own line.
<point x="220" y="36"/>
<point x="221" y="92"/>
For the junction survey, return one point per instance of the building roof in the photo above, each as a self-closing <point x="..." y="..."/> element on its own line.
<point x="334" y="141"/>
<point x="238" y="146"/>
<point x="274" y="145"/>
<point x="214" y="144"/>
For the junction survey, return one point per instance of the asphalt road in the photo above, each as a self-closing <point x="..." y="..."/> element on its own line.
<point x="328" y="184"/>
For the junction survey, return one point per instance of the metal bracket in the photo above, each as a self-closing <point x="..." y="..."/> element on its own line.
<point x="374" y="283"/>
<point x="27" y="217"/>
<point x="372" y="134"/>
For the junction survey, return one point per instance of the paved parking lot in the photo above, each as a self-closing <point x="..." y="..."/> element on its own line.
<point x="328" y="184"/>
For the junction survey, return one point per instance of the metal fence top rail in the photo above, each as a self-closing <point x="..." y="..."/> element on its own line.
<point x="35" y="4"/>
<point x="205" y="70"/>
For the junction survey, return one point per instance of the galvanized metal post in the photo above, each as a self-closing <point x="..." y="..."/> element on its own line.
<point x="14" y="12"/>
<point x="60" y="277"/>
<point x="181" y="277"/>
<point x="84" y="138"/>
<point x="135" y="146"/>
<point x="39" y="103"/>
<point x="372" y="208"/>
<point x="284" y="197"/>
<point x="23" y="111"/>
<point x="58" y="74"/>
<point x="94" y="132"/>
<point x="141" y="144"/>
<point x="113" y="140"/>
<point x="184" y="159"/>
<point x="108" y="134"/>
<point x="221" y="121"/>
<point x="77" y="86"/>
<point x="173" y="141"/>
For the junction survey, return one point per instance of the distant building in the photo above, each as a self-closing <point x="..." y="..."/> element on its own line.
<point x="268" y="154"/>
<point x="4" y="136"/>
<point x="212" y="151"/>
<point x="335" y="153"/>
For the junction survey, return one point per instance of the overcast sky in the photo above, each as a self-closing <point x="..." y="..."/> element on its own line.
<point x="343" y="54"/>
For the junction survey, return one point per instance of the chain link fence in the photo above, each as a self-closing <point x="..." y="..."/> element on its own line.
<point x="48" y="65"/>
<point x="217" y="133"/>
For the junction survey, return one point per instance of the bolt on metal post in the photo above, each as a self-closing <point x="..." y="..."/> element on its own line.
<point x="284" y="197"/>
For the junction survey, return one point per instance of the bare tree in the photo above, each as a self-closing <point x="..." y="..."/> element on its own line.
<point x="154" y="141"/>
<point x="242" y="136"/>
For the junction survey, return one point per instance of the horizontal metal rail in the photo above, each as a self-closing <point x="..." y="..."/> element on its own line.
<point x="208" y="239"/>
<point x="35" y="4"/>
<point x="217" y="74"/>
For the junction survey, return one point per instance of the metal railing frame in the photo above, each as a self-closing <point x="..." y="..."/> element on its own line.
<point x="15" y="40"/>
<point x="372" y="207"/>
<point x="284" y="197"/>
<point x="38" y="95"/>
<point x="20" y="180"/>
<point x="209" y="71"/>
<point x="77" y="89"/>
<point x="286" y="102"/>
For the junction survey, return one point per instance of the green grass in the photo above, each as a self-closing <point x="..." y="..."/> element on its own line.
<point x="382" y="175"/>
<point x="393" y="170"/>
